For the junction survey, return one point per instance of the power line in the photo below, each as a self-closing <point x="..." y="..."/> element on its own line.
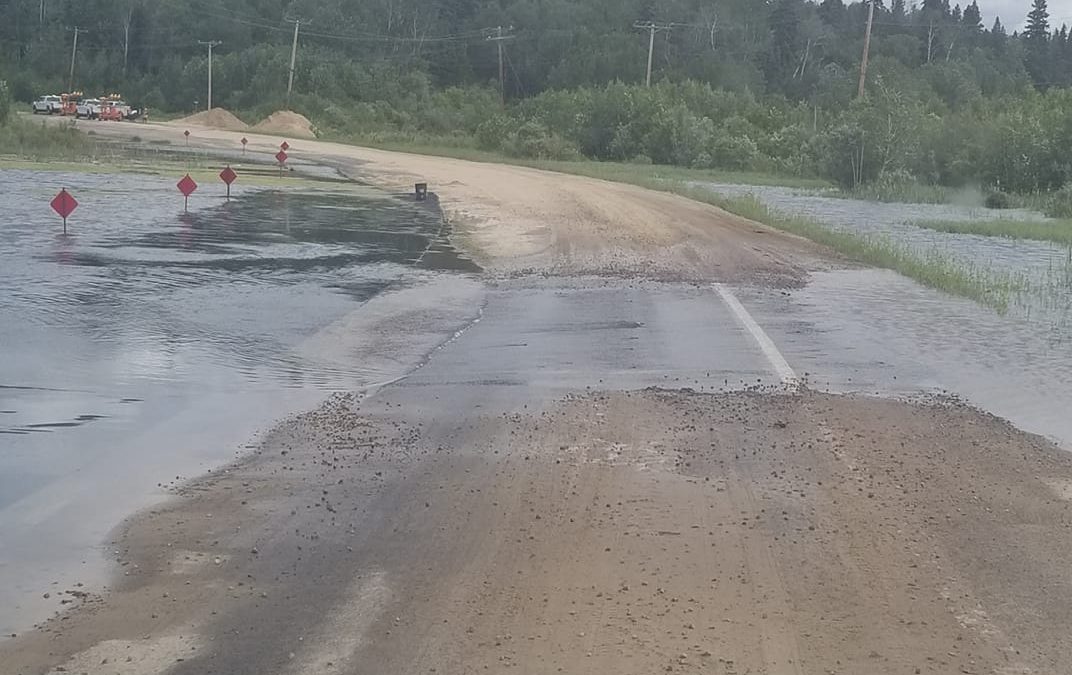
<point x="517" y="78"/>
<point x="652" y="28"/>
<point x="499" y="38"/>
<point x="74" y="52"/>
<point x="293" y="59"/>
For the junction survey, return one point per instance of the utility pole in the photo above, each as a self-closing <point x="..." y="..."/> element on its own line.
<point x="210" y="44"/>
<point x="293" y="58"/>
<point x="930" y="39"/>
<point x="652" y="29"/>
<point x="126" y="38"/>
<point x="499" y="37"/>
<point x="867" y="48"/>
<point x="74" y="51"/>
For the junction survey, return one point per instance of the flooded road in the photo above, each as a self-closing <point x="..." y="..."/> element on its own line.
<point x="150" y="345"/>
<point x="1045" y="267"/>
<point x="877" y="332"/>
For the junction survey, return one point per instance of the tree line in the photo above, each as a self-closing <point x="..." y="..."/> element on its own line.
<point x="952" y="96"/>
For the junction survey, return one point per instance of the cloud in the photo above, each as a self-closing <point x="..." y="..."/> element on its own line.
<point x="1013" y="13"/>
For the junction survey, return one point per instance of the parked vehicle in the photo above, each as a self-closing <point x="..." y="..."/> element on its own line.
<point x="69" y="103"/>
<point x="47" y="105"/>
<point x="110" y="112"/>
<point x="115" y="109"/>
<point x="89" y="109"/>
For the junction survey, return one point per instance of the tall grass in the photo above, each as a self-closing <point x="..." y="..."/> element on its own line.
<point x="906" y="192"/>
<point x="933" y="267"/>
<point x="1059" y="231"/>
<point x="26" y="139"/>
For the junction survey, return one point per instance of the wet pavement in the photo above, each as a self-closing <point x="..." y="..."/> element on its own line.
<point x="876" y="332"/>
<point x="538" y="341"/>
<point x="150" y="345"/>
<point x="855" y="331"/>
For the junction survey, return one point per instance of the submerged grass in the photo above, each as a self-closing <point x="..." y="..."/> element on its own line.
<point x="933" y="268"/>
<point x="910" y="193"/>
<point x="1059" y="231"/>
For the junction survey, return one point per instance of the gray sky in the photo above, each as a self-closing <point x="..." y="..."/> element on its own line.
<point x="1013" y="13"/>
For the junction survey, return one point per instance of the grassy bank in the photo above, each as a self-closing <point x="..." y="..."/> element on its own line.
<point x="1058" y="231"/>
<point x="27" y="139"/>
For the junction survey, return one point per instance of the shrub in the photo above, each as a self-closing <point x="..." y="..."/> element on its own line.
<point x="494" y="132"/>
<point x="1060" y="203"/>
<point x="533" y="140"/>
<point x="997" y="200"/>
<point x="5" y="102"/>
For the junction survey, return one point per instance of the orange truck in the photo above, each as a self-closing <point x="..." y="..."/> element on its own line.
<point x="69" y="103"/>
<point x="113" y="108"/>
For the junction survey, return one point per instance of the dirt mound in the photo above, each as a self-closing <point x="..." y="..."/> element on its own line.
<point x="217" y="118"/>
<point x="287" y="123"/>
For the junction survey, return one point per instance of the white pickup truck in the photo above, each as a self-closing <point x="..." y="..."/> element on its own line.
<point x="48" y="105"/>
<point x="89" y="109"/>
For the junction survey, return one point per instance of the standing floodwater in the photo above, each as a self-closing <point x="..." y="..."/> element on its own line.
<point x="1044" y="267"/>
<point x="149" y="344"/>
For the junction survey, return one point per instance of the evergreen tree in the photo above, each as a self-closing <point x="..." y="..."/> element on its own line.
<point x="997" y="37"/>
<point x="935" y="9"/>
<point x="972" y="20"/>
<point x="832" y="12"/>
<point x="897" y="11"/>
<point x="1038" y="22"/>
<point x="1037" y="36"/>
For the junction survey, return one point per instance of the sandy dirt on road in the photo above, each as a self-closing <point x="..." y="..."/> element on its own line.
<point x="516" y="220"/>
<point x="639" y="532"/>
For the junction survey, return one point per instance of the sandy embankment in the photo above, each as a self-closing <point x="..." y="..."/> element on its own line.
<point x="443" y="528"/>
